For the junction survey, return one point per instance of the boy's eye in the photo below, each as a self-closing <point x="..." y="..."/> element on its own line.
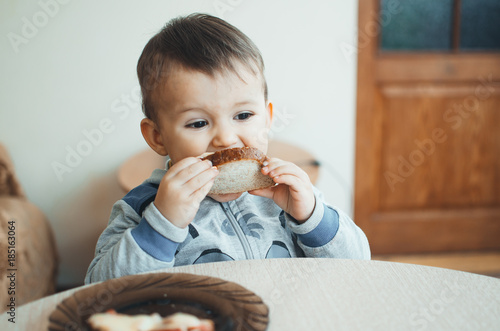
<point x="243" y="116"/>
<point x="197" y="124"/>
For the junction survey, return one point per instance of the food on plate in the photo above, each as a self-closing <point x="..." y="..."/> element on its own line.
<point x="239" y="170"/>
<point x="185" y="322"/>
<point x="113" y="321"/>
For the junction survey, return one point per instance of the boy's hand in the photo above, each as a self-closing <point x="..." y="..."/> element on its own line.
<point x="183" y="188"/>
<point x="294" y="194"/>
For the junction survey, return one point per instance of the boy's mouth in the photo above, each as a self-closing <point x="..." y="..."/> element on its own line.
<point x="239" y="171"/>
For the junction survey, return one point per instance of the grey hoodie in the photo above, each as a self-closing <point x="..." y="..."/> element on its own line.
<point x="138" y="238"/>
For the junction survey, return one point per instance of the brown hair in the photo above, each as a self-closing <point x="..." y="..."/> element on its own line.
<point x="200" y="42"/>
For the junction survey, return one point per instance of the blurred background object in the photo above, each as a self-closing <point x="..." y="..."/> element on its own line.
<point x="29" y="256"/>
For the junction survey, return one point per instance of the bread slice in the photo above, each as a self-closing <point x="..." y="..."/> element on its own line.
<point x="239" y="170"/>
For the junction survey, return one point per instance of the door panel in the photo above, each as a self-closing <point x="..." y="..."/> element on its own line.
<point x="441" y="141"/>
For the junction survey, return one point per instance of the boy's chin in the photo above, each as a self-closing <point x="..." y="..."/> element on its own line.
<point x="225" y="197"/>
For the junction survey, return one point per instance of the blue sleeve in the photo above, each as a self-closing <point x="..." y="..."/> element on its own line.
<point x="154" y="243"/>
<point x="323" y="232"/>
<point x="141" y="196"/>
<point x="330" y="232"/>
<point x="147" y="234"/>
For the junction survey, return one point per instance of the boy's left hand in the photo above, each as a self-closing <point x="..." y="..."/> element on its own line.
<point x="294" y="194"/>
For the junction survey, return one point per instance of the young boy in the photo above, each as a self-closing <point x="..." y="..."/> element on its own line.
<point x="204" y="90"/>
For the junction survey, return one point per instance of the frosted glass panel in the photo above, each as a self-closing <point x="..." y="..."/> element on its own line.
<point x="480" y="24"/>
<point x="416" y="25"/>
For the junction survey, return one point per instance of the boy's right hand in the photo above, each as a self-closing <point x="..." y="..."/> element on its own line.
<point x="182" y="189"/>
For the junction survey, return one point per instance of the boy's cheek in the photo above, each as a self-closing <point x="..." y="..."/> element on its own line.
<point x="258" y="138"/>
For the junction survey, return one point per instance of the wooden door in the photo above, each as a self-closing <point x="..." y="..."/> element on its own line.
<point x="427" y="174"/>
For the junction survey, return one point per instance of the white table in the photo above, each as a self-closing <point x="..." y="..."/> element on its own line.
<point x="332" y="294"/>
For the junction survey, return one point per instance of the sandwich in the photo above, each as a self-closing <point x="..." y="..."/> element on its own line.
<point x="239" y="170"/>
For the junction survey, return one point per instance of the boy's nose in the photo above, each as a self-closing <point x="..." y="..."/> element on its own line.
<point x="224" y="138"/>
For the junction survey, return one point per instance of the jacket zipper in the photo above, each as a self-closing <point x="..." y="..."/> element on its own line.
<point x="239" y="232"/>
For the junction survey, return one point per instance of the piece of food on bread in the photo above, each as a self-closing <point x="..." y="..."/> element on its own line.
<point x="113" y="321"/>
<point x="239" y="170"/>
<point x="188" y="322"/>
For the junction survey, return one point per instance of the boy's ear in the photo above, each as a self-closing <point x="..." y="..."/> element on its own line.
<point x="270" y="112"/>
<point x="152" y="136"/>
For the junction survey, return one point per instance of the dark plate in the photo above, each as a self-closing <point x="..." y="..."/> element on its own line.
<point x="229" y="305"/>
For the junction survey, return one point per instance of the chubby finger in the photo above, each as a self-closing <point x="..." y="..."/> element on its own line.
<point x="274" y="163"/>
<point x="192" y="170"/>
<point x="267" y="192"/>
<point x="201" y="180"/>
<point x="292" y="181"/>
<point x="271" y="164"/>
<point x="181" y="165"/>
<point x="202" y="192"/>
<point x="277" y="169"/>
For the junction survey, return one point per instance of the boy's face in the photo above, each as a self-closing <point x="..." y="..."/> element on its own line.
<point x="198" y="113"/>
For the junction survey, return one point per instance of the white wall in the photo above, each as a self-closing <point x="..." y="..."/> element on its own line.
<point x="68" y="68"/>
